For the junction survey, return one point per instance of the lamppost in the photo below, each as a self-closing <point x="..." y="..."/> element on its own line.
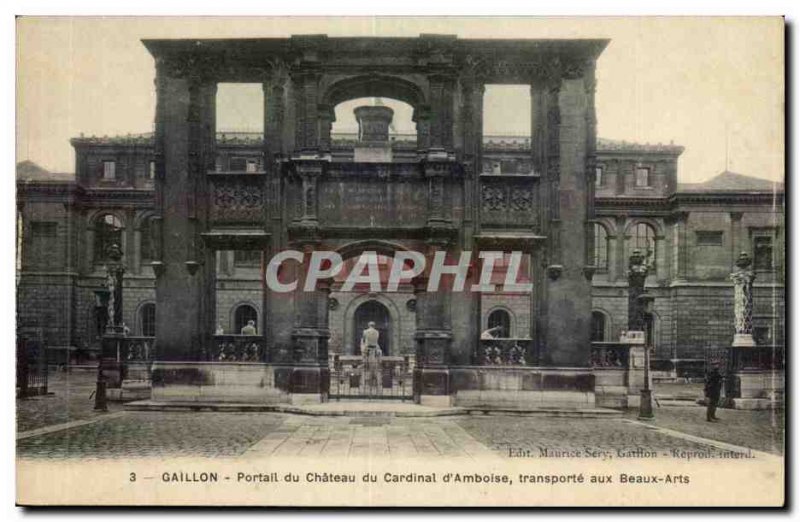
<point x="113" y="330"/>
<point x="638" y="304"/>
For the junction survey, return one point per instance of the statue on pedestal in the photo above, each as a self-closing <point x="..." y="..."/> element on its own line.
<point x="743" y="301"/>
<point x="371" y="351"/>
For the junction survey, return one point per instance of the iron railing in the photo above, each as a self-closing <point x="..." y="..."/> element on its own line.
<point x="609" y="355"/>
<point x="383" y="377"/>
<point x="507" y="351"/>
<point x="238" y="348"/>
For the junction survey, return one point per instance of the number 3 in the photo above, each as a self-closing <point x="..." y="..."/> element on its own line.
<point x="133" y="477"/>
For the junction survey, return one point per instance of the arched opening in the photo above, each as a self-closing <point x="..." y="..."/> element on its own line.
<point x="107" y="231"/>
<point x="242" y="317"/>
<point x="502" y="319"/>
<point x="345" y="128"/>
<point x="373" y="311"/>
<point x="598" y="327"/>
<point x="642" y="237"/>
<point x="147" y="320"/>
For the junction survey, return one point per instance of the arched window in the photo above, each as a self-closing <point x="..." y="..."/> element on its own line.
<point x="643" y="238"/>
<point x="107" y="232"/>
<point x="600" y="260"/>
<point x="146" y="240"/>
<point x="147" y="319"/>
<point x="502" y="319"/>
<point x="243" y="314"/>
<point x="598" y="327"/>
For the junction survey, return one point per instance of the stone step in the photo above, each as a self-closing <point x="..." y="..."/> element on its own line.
<point x="367" y="409"/>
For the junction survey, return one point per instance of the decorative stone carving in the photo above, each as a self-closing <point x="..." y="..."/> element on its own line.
<point x="743" y="279"/>
<point x="521" y="199"/>
<point x="494" y="198"/>
<point x="333" y="303"/>
<point x="411" y="305"/>
<point x="237" y="202"/>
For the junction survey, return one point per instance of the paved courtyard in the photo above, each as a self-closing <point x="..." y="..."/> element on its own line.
<point x="64" y="425"/>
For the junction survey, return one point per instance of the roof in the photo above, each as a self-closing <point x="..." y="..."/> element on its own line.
<point x="606" y="145"/>
<point x="30" y="171"/>
<point x="490" y="141"/>
<point x="732" y="182"/>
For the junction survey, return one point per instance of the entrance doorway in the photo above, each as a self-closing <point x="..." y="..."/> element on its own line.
<point x="373" y="311"/>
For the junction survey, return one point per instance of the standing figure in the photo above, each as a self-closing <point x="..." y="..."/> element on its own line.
<point x="249" y="328"/>
<point x="712" y="389"/>
<point x="371" y="351"/>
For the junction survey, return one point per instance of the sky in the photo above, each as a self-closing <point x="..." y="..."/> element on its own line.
<point x="713" y="85"/>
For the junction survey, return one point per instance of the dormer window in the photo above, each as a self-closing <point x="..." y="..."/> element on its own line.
<point x="642" y="177"/>
<point x="109" y="170"/>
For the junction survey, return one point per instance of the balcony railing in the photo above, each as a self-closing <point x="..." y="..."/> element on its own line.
<point x="610" y="355"/>
<point x="507" y="351"/>
<point x="237" y="348"/>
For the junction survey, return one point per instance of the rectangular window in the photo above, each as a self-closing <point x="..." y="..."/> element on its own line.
<point x="151" y="170"/>
<point x="762" y="253"/>
<point x="709" y="238"/>
<point x="599" y="180"/>
<point x="252" y="166"/>
<point x="109" y="170"/>
<point x="247" y="258"/>
<point x="642" y="177"/>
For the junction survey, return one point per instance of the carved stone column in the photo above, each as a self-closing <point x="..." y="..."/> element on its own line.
<point x="743" y="301"/>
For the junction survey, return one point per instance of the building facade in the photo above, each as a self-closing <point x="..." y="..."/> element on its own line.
<point x="692" y="232"/>
<point x="196" y="212"/>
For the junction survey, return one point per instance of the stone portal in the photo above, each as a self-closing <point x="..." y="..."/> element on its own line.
<point x="427" y="195"/>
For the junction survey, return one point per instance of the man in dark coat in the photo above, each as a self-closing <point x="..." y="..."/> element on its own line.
<point x="712" y="389"/>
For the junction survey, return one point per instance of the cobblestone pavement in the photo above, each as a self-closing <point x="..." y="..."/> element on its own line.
<point x="259" y="435"/>
<point x="760" y="430"/>
<point x="538" y="435"/>
<point x="70" y="399"/>
<point x="217" y="434"/>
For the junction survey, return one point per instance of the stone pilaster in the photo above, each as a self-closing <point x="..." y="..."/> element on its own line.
<point x="183" y="122"/>
<point x="310" y="376"/>
<point x="566" y="131"/>
<point x="433" y="339"/>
